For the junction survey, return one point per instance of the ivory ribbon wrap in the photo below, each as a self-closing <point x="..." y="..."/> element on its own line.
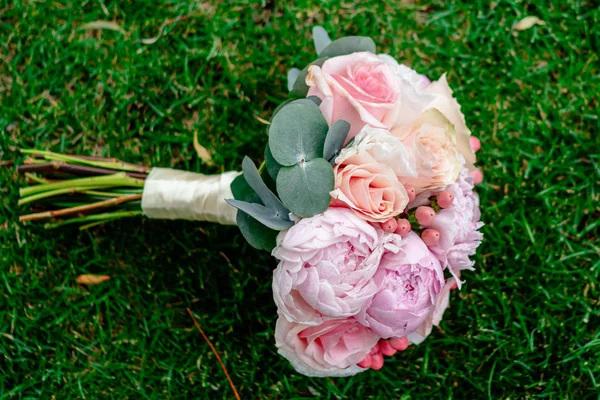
<point x="174" y="194"/>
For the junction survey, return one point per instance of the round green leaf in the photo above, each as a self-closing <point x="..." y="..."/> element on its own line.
<point x="272" y="165"/>
<point x="304" y="188"/>
<point x="347" y="45"/>
<point x="297" y="133"/>
<point x="256" y="234"/>
<point x="300" y="88"/>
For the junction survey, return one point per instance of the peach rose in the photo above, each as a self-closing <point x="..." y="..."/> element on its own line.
<point x="359" y="88"/>
<point x="431" y="141"/>
<point x="369" y="188"/>
<point x="418" y="96"/>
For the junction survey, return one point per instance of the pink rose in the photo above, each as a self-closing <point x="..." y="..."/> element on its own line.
<point x="431" y="141"/>
<point x="326" y="267"/>
<point x="330" y="349"/>
<point x="367" y="186"/>
<point x="435" y="317"/>
<point x="410" y="278"/>
<point x="359" y="88"/>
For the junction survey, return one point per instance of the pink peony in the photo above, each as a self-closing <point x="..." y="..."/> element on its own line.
<point x="332" y="348"/>
<point x="435" y="316"/>
<point x="359" y="88"/>
<point x="326" y="267"/>
<point x="458" y="226"/>
<point x="410" y="278"/>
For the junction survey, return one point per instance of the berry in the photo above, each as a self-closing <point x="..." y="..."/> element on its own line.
<point x="425" y="215"/>
<point x="403" y="227"/>
<point x="431" y="237"/>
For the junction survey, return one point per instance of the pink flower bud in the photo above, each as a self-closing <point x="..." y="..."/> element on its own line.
<point x="425" y="215"/>
<point x="403" y="227"/>
<point x="399" y="344"/>
<point x="431" y="237"/>
<point x="445" y="199"/>
<point x="376" y="361"/>
<point x="475" y="143"/>
<point x="389" y="226"/>
<point x="366" y="362"/>
<point x="386" y="348"/>
<point x="477" y="176"/>
<point x="410" y="190"/>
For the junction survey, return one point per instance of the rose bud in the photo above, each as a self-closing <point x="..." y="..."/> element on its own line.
<point x="425" y="215"/>
<point x="475" y="143"/>
<point x="445" y="199"/>
<point x="431" y="237"/>
<point x="389" y="226"/>
<point x="403" y="227"/>
<point x="399" y="344"/>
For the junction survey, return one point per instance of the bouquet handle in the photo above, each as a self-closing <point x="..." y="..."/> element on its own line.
<point x="175" y="194"/>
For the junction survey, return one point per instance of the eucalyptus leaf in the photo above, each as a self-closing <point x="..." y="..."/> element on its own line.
<point x="300" y="88"/>
<point x="304" y="188"/>
<point x="256" y="234"/>
<point x="349" y="45"/>
<point x="292" y="76"/>
<point x="320" y="38"/>
<point x="273" y="166"/>
<point x="315" y="100"/>
<point x="241" y="190"/>
<point x="334" y="141"/>
<point x="265" y="215"/>
<point x="297" y="133"/>
<point x="267" y="197"/>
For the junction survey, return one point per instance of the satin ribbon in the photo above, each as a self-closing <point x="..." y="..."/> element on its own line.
<point x="174" y="194"/>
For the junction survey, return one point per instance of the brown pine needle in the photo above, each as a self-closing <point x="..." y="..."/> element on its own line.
<point x="235" y="393"/>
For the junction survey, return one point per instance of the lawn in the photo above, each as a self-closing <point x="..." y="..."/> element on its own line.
<point x="525" y="325"/>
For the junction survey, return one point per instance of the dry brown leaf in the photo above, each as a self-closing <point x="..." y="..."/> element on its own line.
<point x="91" y="279"/>
<point x="202" y="152"/>
<point x="262" y="120"/>
<point x="527" y="23"/>
<point x="112" y="26"/>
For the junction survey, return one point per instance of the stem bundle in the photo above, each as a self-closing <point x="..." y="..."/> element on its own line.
<point x="67" y="189"/>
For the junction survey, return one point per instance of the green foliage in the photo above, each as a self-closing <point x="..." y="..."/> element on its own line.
<point x="300" y="88"/>
<point x="297" y="133"/>
<point x="304" y="188"/>
<point x="257" y="234"/>
<point x="524" y="325"/>
<point x="348" y="45"/>
<point x="334" y="141"/>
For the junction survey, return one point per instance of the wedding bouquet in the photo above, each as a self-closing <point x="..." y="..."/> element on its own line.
<point x="365" y="197"/>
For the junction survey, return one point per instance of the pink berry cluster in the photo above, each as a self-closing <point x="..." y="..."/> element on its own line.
<point x="424" y="216"/>
<point x="385" y="347"/>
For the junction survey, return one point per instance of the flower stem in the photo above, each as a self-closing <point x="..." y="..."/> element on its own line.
<point x="119" y="179"/>
<point x="79" y="209"/>
<point x="105" y="217"/>
<point x="108" y="164"/>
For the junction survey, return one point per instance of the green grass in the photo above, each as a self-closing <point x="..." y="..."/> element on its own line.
<point x="526" y="323"/>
